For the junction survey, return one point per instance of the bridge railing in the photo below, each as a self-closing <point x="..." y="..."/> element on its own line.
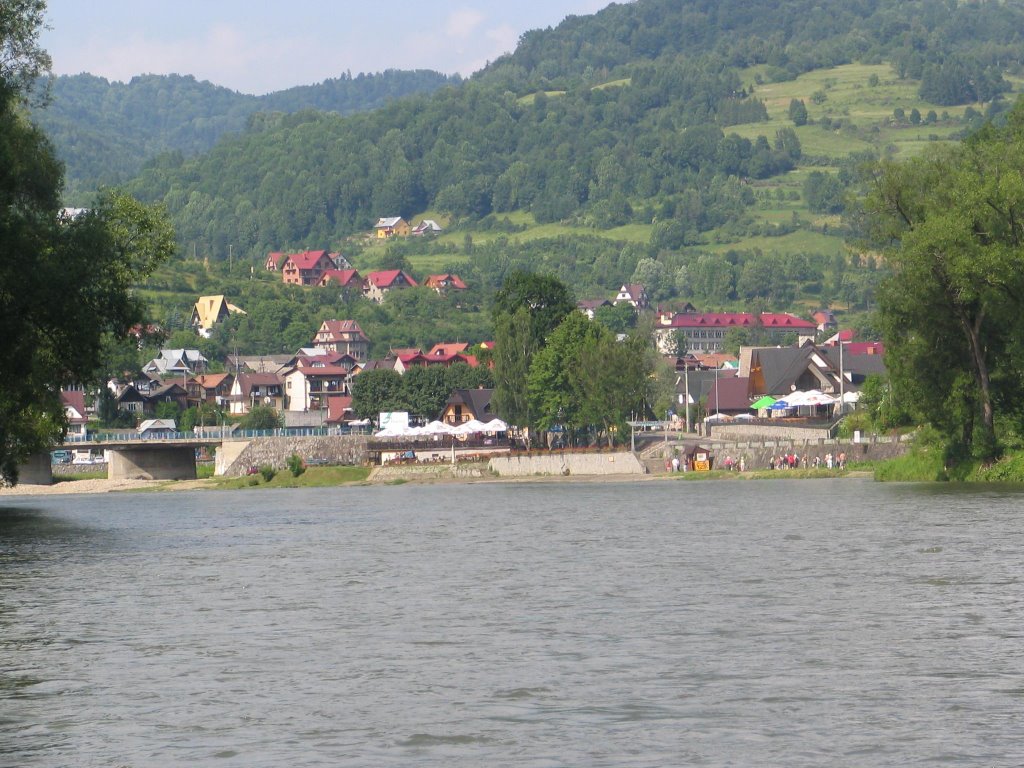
<point x="209" y="434"/>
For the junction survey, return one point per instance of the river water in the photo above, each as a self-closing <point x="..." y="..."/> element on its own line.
<point x="761" y="623"/>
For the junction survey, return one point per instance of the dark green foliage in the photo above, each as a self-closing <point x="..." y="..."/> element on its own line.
<point x="268" y="472"/>
<point x="823" y="192"/>
<point x="296" y="465"/>
<point x="261" y="417"/>
<point x="104" y="131"/>
<point x="377" y="391"/>
<point x="798" y="112"/>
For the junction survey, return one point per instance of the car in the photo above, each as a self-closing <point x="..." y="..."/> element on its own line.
<point x="60" y="457"/>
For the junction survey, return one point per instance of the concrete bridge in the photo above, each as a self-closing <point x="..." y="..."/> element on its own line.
<point x="172" y="455"/>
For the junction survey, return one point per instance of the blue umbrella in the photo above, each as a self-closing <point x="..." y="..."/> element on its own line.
<point x="779" y="405"/>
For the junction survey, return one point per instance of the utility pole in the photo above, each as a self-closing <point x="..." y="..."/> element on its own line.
<point x="686" y="373"/>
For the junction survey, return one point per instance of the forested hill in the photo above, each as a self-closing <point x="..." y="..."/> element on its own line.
<point x="104" y="131"/>
<point x="646" y="112"/>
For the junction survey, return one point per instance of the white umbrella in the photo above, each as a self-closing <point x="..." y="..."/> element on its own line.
<point x="496" y="425"/>
<point x="470" y="427"/>
<point x="437" y="428"/>
<point x="851" y="397"/>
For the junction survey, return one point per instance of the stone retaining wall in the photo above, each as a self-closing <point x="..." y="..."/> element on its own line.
<point x="568" y="464"/>
<point x="764" y="432"/>
<point x="347" y="450"/>
<point x="758" y="453"/>
<point x="429" y="472"/>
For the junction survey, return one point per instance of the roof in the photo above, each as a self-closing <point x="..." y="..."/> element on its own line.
<point x="387" y="278"/>
<point x="246" y="381"/>
<point x="342" y="330"/>
<point x="258" y="363"/>
<point x="211" y="380"/>
<point x="275" y="258"/>
<point x="449" y="348"/>
<point x="338" y="408"/>
<point x="396" y="352"/>
<point x="313" y="371"/>
<point x="477" y="400"/>
<point x="209" y="309"/>
<point x="74" y="400"/>
<point x="427" y="225"/>
<point x="341" y="276"/>
<point x="730" y="393"/>
<point x="389" y="221"/>
<point x="592" y="303"/>
<point x="783" y="320"/>
<point x="308" y="259"/>
<point x="149" y="424"/>
<point x="445" y="281"/>
<point x="712" y="320"/>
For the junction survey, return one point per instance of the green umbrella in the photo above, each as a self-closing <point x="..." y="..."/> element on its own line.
<point x="765" y="402"/>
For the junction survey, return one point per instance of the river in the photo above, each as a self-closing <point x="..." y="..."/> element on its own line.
<point x="760" y="623"/>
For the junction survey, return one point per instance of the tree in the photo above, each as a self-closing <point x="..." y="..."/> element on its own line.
<point x="798" y="112"/>
<point x="261" y="417"/>
<point x="954" y="223"/>
<point x="526" y="310"/>
<point x="614" y="378"/>
<point x="55" y="314"/>
<point x="377" y="391"/>
<point x="555" y="389"/>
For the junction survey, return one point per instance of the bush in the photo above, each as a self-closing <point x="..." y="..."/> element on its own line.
<point x="296" y="465"/>
<point x="268" y="472"/>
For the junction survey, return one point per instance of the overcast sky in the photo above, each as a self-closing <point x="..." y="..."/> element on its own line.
<point x="258" y="46"/>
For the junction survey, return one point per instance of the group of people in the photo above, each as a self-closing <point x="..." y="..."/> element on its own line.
<point x="792" y="461"/>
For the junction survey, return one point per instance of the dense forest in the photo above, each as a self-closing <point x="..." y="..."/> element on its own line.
<point x="608" y="119"/>
<point x="104" y="131"/>
<point x="646" y="138"/>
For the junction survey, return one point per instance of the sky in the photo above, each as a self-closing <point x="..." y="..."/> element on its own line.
<point x="260" y="46"/>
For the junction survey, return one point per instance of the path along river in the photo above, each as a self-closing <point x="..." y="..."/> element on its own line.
<point x="759" y="623"/>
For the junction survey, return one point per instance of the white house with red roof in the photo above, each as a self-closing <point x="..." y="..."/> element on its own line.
<point x="74" y="409"/>
<point x="377" y="284"/>
<point x="309" y="385"/>
<point x="706" y="331"/>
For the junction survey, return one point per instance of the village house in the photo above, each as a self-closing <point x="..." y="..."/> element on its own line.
<point x="251" y="389"/>
<point x="346" y="279"/>
<point x="176" y="362"/>
<point x="343" y="336"/>
<point x="378" y="284"/>
<point x="467" y="404"/>
<point x="74" y="409"/>
<point x="633" y="294"/>
<point x="590" y="306"/>
<point x="306" y="268"/>
<point x="273" y="261"/>
<point x="443" y="349"/>
<point x="447" y="359"/>
<point x="212" y="388"/>
<point x="210" y="310"/>
<point x="390" y="227"/>
<point x="427" y="227"/>
<point x="309" y="387"/>
<point x="444" y="283"/>
<point x="706" y="331"/>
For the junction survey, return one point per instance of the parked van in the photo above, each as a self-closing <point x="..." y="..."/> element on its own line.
<point x="60" y="457"/>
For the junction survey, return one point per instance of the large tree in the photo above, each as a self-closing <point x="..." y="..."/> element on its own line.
<point x="526" y="310"/>
<point x="953" y="224"/>
<point x="64" y="283"/>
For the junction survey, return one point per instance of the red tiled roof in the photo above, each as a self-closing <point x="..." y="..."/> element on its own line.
<point x="437" y="281"/>
<point x="307" y="259"/>
<point x="782" y="320"/>
<point x="341" y="330"/>
<point x="338" y="407"/>
<point x="864" y="348"/>
<point x="387" y="277"/>
<point x="341" y="276"/>
<point x="449" y="348"/>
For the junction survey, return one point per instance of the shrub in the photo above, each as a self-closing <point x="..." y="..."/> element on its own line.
<point x="296" y="465"/>
<point x="268" y="472"/>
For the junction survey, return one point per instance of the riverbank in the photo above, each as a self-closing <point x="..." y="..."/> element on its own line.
<point x="362" y="476"/>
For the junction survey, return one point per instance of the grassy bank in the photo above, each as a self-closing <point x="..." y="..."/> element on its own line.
<point x="924" y="464"/>
<point x="313" y="477"/>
